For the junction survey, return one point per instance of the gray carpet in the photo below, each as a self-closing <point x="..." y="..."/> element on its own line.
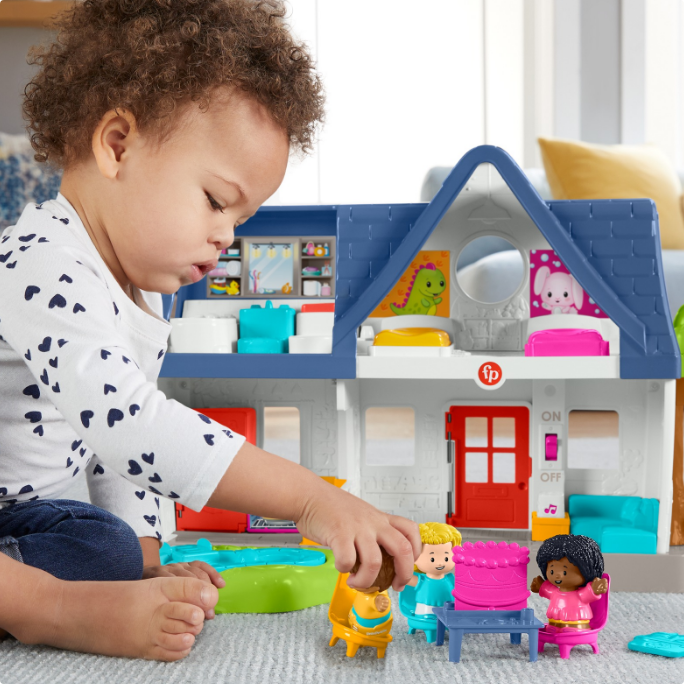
<point x="293" y="647"/>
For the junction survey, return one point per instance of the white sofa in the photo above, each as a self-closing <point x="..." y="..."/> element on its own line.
<point x="495" y="268"/>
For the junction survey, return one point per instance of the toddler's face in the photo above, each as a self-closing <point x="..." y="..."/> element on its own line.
<point x="436" y="559"/>
<point x="169" y="212"/>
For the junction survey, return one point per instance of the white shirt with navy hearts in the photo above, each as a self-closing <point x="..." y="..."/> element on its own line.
<point x="79" y="362"/>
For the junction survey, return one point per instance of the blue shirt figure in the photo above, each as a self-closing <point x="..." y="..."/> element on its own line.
<point x="433" y="592"/>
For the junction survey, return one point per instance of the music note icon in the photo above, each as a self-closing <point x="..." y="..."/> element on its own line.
<point x="551" y="509"/>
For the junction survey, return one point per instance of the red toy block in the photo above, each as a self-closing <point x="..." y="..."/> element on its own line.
<point x="243" y="421"/>
<point x="310" y="308"/>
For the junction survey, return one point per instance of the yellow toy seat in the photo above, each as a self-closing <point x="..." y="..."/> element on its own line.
<point x="338" y="614"/>
<point x="412" y="337"/>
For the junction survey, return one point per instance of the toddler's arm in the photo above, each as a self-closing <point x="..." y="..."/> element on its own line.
<point x="260" y="482"/>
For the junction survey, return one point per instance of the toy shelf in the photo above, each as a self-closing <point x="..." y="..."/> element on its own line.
<point x="28" y="13"/>
<point x="514" y="367"/>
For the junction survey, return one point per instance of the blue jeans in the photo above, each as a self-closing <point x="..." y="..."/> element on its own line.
<point x="71" y="540"/>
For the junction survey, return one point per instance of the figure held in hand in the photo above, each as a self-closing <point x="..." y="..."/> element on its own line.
<point x="371" y="612"/>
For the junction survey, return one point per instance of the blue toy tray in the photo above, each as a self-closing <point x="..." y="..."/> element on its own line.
<point x="668" y="644"/>
<point x="240" y="558"/>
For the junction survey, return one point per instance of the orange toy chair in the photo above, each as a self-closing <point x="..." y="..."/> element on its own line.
<point x="338" y="614"/>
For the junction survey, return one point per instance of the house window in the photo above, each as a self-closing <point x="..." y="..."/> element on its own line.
<point x="490" y="269"/>
<point x="390" y="436"/>
<point x="593" y="440"/>
<point x="282" y="431"/>
<point x="476" y="466"/>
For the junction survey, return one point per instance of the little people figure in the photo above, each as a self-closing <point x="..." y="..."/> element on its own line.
<point x="572" y="570"/>
<point x="371" y="612"/>
<point x="434" y="580"/>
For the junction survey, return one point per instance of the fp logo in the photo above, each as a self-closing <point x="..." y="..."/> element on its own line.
<point x="490" y="376"/>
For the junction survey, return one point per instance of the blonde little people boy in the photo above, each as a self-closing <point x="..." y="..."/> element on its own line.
<point x="434" y="579"/>
<point x="173" y="121"/>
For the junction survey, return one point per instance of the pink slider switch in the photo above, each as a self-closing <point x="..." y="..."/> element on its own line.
<point x="551" y="447"/>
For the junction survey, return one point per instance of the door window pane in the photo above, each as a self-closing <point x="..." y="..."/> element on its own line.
<point x="476" y="466"/>
<point x="593" y="440"/>
<point x="390" y="436"/>
<point x="503" y="467"/>
<point x="282" y="432"/>
<point x="503" y="432"/>
<point x="476" y="432"/>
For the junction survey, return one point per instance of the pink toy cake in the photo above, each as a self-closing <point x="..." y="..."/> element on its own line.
<point x="490" y="576"/>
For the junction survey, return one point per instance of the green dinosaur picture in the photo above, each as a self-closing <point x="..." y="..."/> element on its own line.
<point x="423" y="292"/>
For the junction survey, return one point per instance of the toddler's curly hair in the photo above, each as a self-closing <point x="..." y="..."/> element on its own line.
<point x="153" y="57"/>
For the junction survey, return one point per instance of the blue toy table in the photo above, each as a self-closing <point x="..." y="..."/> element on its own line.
<point x="460" y="622"/>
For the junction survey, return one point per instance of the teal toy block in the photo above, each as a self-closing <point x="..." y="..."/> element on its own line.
<point x="266" y="330"/>
<point x="619" y="524"/>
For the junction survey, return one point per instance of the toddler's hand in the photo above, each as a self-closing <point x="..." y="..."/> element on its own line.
<point x="536" y="584"/>
<point x="198" y="569"/>
<point x="351" y="527"/>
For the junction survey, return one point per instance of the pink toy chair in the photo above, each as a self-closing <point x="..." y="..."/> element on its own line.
<point x="567" y="638"/>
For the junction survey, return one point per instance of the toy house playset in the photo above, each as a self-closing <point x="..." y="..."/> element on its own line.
<point x="545" y="409"/>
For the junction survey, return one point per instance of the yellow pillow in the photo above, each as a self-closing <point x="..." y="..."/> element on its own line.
<point x="577" y="170"/>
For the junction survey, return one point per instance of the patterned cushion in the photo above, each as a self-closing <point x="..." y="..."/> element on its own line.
<point x="22" y="180"/>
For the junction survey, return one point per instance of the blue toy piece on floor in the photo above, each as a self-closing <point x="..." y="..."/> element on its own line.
<point x="669" y="644"/>
<point x="240" y="558"/>
<point x="408" y="598"/>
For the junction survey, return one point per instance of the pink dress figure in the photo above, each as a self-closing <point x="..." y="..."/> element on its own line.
<point x="572" y="569"/>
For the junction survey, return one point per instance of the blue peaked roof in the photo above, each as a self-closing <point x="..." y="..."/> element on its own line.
<point x="612" y="247"/>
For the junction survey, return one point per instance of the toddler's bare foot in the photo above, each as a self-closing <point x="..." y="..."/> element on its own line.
<point x="156" y="619"/>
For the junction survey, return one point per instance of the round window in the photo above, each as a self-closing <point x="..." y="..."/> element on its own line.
<point x="490" y="269"/>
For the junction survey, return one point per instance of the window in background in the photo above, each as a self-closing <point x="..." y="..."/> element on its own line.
<point x="282" y="435"/>
<point x="593" y="440"/>
<point x="390" y="436"/>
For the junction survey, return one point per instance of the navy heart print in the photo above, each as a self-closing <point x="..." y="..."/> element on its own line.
<point x="38" y="430"/>
<point x="33" y="416"/>
<point x="140" y="495"/>
<point x="204" y="418"/>
<point x="69" y="462"/>
<point x="3" y="491"/>
<point x="155" y="491"/>
<point x="32" y="391"/>
<point x="65" y="278"/>
<point x="148" y="458"/>
<point x="113" y="416"/>
<point x="116" y="310"/>
<point x="44" y="346"/>
<point x="134" y="468"/>
<point x="30" y="291"/>
<point x="75" y="471"/>
<point x="78" y="307"/>
<point x="85" y="418"/>
<point x="155" y="478"/>
<point x="4" y="257"/>
<point x="61" y="343"/>
<point x="44" y="377"/>
<point x="43" y="240"/>
<point x="27" y="238"/>
<point x="55" y="388"/>
<point x="158" y="535"/>
<point x="53" y="362"/>
<point x="156" y="500"/>
<point x="12" y="265"/>
<point x="109" y="388"/>
<point x="27" y="356"/>
<point x="25" y="490"/>
<point x="23" y="248"/>
<point x="75" y="444"/>
<point x="209" y="439"/>
<point x="173" y="495"/>
<point x="58" y="301"/>
<point x="82" y="451"/>
<point x="161" y="353"/>
<point x="104" y="354"/>
<point x="98" y="470"/>
<point x="151" y="519"/>
<point x="133" y="408"/>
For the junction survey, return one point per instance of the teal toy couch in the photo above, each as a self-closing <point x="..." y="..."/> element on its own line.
<point x="620" y="524"/>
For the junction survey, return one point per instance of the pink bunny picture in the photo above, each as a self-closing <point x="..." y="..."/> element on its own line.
<point x="559" y="292"/>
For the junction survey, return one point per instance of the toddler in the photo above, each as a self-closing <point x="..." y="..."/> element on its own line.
<point x="173" y="121"/>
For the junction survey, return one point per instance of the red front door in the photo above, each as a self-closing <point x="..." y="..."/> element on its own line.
<point x="492" y="465"/>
